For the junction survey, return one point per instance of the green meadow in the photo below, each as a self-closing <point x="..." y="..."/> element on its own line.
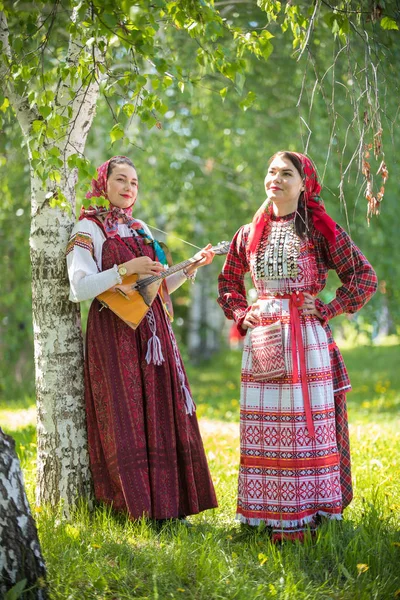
<point x="98" y="554"/>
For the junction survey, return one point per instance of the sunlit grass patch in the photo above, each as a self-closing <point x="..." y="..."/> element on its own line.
<point x="101" y="555"/>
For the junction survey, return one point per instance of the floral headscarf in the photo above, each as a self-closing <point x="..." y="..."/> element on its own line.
<point x="110" y="217"/>
<point x="321" y="220"/>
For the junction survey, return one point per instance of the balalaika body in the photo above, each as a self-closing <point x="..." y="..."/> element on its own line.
<point x="131" y="300"/>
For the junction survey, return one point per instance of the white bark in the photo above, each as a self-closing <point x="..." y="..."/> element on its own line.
<point x="62" y="466"/>
<point x="20" y="554"/>
<point x="63" y="463"/>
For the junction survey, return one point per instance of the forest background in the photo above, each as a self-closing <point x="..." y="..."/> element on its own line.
<point x="199" y="95"/>
<point x="201" y="154"/>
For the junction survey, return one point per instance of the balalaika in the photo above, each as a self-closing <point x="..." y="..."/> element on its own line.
<point x="132" y="299"/>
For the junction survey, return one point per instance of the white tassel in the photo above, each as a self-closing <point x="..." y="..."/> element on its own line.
<point x="190" y="406"/>
<point x="154" y="352"/>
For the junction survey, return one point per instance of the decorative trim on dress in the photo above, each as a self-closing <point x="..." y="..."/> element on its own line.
<point x="81" y="239"/>
<point x="282" y="525"/>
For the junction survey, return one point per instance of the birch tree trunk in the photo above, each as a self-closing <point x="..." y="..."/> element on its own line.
<point x="63" y="462"/>
<point x="20" y="554"/>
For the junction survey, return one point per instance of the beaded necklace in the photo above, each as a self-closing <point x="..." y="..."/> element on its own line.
<point x="278" y="251"/>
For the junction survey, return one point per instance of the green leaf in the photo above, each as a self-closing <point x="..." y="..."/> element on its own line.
<point x="116" y="133"/>
<point x="239" y="81"/>
<point x="329" y="18"/>
<point x="72" y="161"/>
<point x="389" y="23"/>
<point x="128" y="109"/>
<point x="167" y="81"/>
<point x="37" y="126"/>
<point x="16" y="591"/>
<point x="223" y="93"/>
<point x="5" y="105"/>
<point x="345" y="26"/>
<point x="335" y="26"/>
<point x="45" y="111"/>
<point x="248" y="101"/>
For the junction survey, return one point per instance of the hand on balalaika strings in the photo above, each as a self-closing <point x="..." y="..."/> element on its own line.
<point x="158" y="272"/>
<point x="132" y="299"/>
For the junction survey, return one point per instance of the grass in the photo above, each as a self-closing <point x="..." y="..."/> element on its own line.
<point x="100" y="555"/>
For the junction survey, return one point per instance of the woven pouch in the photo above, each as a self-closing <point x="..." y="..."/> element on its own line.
<point x="267" y="352"/>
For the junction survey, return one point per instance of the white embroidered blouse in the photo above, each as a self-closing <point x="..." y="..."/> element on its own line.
<point x="84" y="252"/>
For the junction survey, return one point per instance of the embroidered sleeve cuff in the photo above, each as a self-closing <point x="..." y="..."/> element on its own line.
<point x="191" y="277"/>
<point x="119" y="278"/>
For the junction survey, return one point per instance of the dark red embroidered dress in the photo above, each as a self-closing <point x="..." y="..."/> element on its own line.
<point x="146" y="452"/>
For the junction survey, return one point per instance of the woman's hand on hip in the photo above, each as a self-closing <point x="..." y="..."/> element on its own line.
<point x="143" y="265"/>
<point x="309" y="307"/>
<point x="252" y="319"/>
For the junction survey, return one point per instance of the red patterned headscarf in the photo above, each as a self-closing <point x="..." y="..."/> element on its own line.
<point x="313" y="203"/>
<point x="112" y="215"/>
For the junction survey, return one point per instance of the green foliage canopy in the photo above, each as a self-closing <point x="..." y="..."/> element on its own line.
<point x="185" y="89"/>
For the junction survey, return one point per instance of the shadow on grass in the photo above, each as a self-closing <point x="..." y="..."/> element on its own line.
<point x="101" y="551"/>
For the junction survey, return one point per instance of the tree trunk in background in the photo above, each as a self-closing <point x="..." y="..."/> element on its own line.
<point x="63" y="461"/>
<point x="20" y="554"/>
<point x="63" y="464"/>
<point x="206" y="318"/>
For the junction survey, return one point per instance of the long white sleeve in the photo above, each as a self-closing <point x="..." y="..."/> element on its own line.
<point x="84" y="253"/>
<point x="84" y="263"/>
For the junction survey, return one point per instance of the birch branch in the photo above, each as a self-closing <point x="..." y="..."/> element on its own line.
<point x="25" y="114"/>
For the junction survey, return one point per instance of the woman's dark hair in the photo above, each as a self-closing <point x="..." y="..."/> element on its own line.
<point x="301" y="217"/>
<point x="118" y="160"/>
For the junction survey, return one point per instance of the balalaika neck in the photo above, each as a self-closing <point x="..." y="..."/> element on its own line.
<point x="166" y="273"/>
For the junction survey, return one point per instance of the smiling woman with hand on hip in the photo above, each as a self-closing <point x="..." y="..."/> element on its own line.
<point x="294" y="445"/>
<point x="146" y="453"/>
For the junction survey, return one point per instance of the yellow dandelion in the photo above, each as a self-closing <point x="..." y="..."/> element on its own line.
<point x="229" y="537"/>
<point x="361" y="568"/>
<point x="181" y="590"/>
<point x="96" y="546"/>
<point x="72" y="532"/>
<point x="38" y="509"/>
<point x="262" y="558"/>
<point x="272" y="590"/>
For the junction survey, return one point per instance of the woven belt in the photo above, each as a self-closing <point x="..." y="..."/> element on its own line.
<point x="296" y="301"/>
